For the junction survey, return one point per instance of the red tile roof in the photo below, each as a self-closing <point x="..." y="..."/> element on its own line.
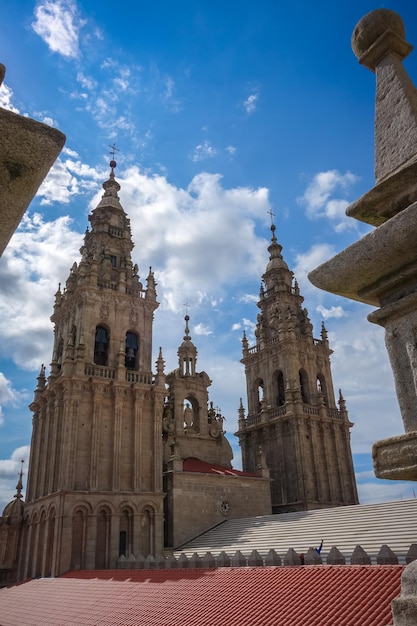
<point x="195" y="465"/>
<point x="322" y="595"/>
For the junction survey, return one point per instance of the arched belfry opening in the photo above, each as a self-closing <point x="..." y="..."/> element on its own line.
<point x="280" y="388"/>
<point x="101" y="345"/>
<point x="304" y="386"/>
<point x="131" y="350"/>
<point x="259" y="391"/>
<point x="321" y="386"/>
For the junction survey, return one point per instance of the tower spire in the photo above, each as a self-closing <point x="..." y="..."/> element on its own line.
<point x="19" y="486"/>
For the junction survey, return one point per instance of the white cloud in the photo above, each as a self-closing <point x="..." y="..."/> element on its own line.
<point x="8" y="395"/>
<point x="202" y="329"/>
<point x="319" y="203"/>
<point x="305" y="262"/>
<point x="231" y="149"/>
<point x="203" y="151"/>
<point x="86" y="81"/>
<point x="6" y="95"/>
<point x="197" y="239"/>
<point x="67" y="178"/>
<point x="58" y="24"/>
<point x="13" y="464"/>
<point x="334" y="311"/>
<point x="251" y="103"/>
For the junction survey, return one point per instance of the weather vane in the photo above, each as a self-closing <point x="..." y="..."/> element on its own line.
<point x="187" y="306"/>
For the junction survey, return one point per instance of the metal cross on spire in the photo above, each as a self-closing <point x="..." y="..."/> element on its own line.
<point x="113" y="150"/>
<point x="272" y="214"/>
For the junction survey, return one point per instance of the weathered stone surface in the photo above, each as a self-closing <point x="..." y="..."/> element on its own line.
<point x="387" y="198"/>
<point x="379" y="42"/>
<point x="404" y="608"/>
<point x="396" y="458"/>
<point x="386" y="556"/>
<point x="335" y="557"/>
<point x="411" y="554"/>
<point x="312" y="557"/>
<point x="28" y="150"/>
<point x="360" y="557"/>
<point x="375" y="268"/>
<point x="372" y="26"/>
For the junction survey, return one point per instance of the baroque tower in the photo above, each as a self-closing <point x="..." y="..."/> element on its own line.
<point x="94" y="487"/>
<point x="292" y="414"/>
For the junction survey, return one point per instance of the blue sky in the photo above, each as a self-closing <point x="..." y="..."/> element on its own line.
<point x="222" y="111"/>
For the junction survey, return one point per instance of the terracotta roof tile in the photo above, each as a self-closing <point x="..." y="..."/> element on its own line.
<point x="322" y="595"/>
<point x="192" y="464"/>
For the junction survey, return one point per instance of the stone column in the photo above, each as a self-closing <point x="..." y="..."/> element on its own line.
<point x="381" y="268"/>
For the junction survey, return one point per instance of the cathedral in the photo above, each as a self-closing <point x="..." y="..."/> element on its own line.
<point x="127" y="460"/>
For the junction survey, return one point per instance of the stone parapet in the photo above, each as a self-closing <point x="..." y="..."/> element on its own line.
<point x="291" y="558"/>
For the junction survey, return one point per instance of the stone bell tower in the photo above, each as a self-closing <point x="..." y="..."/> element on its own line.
<point x="94" y="487"/>
<point x="292" y="414"/>
<point x="202" y="488"/>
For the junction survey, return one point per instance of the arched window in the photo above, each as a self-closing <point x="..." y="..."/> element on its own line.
<point x="281" y="389"/>
<point x="304" y="386"/>
<point x="131" y="351"/>
<point x="101" y="346"/>
<point x="260" y="394"/>
<point x="59" y="351"/>
<point x="321" y="386"/>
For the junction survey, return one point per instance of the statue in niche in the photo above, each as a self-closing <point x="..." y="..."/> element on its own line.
<point x="188" y="416"/>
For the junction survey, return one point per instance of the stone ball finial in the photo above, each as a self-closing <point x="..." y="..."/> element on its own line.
<point x="372" y="26"/>
<point x="377" y="34"/>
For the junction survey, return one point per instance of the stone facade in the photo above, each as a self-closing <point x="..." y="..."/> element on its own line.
<point x="292" y="413"/>
<point x="197" y="501"/>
